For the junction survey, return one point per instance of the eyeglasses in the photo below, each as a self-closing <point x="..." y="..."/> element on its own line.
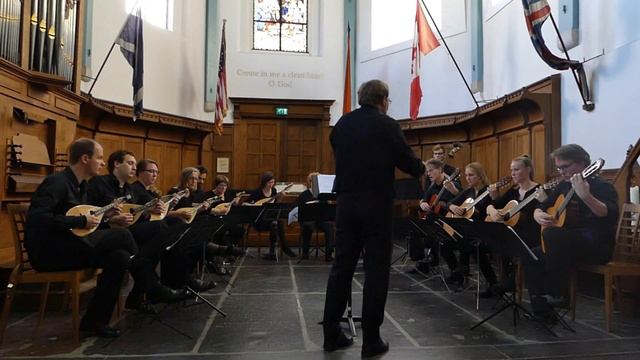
<point x="153" y="171"/>
<point x="563" y="167"/>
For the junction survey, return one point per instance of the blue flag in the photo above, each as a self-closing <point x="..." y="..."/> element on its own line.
<point x="130" y="41"/>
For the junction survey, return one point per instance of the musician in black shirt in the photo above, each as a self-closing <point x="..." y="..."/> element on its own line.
<point x="275" y="226"/>
<point x="478" y="182"/>
<point x="307" y="228"/>
<point x="587" y="236"/>
<point x="524" y="186"/>
<point x="434" y="205"/>
<point x="150" y="236"/>
<point x="52" y="247"/>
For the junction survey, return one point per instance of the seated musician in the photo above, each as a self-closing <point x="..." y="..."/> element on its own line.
<point x="148" y="235"/>
<point x="276" y="228"/>
<point x="52" y="247"/>
<point x="478" y="182"/>
<point x="202" y="229"/>
<point x="587" y="236"/>
<point x="442" y="191"/>
<point x="307" y="228"/>
<point x="526" y="227"/>
<point x="229" y="234"/>
<point x="143" y="188"/>
<point x="200" y="193"/>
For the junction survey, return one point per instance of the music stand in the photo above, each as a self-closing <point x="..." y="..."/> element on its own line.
<point x="243" y="215"/>
<point x="504" y="240"/>
<point x="434" y="229"/>
<point x="274" y="212"/>
<point x="316" y="212"/>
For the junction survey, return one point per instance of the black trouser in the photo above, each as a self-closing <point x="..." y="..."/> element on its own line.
<point x="276" y="231"/>
<point x="361" y="223"/>
<point x="230" y="234"/>
<point x="187" y="247"/>
<point x="108" y="249"/>
<point x="307" y="228"/>
<point x="478" y="249"/>
<point x="152" y="241"/>
<point x="564" y="247"/>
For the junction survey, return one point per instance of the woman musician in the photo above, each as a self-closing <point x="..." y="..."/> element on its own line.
<point x="433" y="205"/>
<point x="526" y="227"/>
<point x="275" y="227"/>
<point x="478" y="182"/>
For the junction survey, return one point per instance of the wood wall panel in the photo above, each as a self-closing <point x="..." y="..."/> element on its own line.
<point x="486" y="153"/>
<point x="190" y="156"/>
<point x="539" y="154"/>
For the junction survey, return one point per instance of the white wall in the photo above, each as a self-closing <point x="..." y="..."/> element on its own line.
<point x="510" y="62"/>
<point x="174" y="61"/>
<point x="318" y="75"/>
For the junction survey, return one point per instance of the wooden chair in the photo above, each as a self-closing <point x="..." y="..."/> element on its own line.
<point x="23" y="273"/>
<point x="625" y="261"/>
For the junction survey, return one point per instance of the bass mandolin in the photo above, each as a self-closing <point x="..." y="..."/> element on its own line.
<point x="272" y="199"/>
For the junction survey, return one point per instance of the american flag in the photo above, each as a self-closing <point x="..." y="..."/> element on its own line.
<point x="222" y="100"/>
<point x="535" y="13"/>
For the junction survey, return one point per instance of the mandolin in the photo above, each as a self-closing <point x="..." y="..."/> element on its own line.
<point x="272" y="199"/>
<point x="434" y="202"/>
<point x="136" y="210"/>
<point x="84" y="210"/>
<point x="562" y="201"/>
<point x="469" y="205"/>
<point x="511" y="211"/>
<point x="170" y="202"/>
<point x="223" y="208"/>
<point x="198" y="208"/>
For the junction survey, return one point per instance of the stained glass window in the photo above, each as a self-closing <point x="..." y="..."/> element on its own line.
<point x="280" y="25"/>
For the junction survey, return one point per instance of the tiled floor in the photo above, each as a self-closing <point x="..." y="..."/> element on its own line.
<point x="273" y="312"/>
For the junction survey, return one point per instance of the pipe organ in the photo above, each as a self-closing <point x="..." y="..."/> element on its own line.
<point x="10" y="16"/>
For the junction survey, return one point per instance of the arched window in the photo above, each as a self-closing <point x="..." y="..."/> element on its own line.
<point x="280" y="25"/>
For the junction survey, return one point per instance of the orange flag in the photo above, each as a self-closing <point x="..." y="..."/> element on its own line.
<point x="423" y="42"/>
<point x="346" y="97"/>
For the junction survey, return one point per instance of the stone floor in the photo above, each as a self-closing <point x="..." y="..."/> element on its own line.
<point x="273" y="311"/>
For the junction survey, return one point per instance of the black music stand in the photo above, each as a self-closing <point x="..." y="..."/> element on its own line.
<point x="242" y="215"/>
<point x="433" y="228"/>
<point x="274" y="212"/>
<point x="504" y="240"/>
<point x="316" y="212"/>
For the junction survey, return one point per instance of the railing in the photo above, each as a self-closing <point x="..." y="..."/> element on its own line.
<point x="10" y="20"/>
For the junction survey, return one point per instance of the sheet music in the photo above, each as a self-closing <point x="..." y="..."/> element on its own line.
<point x="293" y="216"/>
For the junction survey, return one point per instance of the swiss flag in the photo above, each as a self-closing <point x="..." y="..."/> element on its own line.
<point x="423" y="42"/>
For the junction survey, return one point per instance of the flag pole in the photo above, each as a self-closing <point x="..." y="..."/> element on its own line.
<point x="113" y="44"/>
<point x="451" y="55"/>
<point x="585" y="105"/>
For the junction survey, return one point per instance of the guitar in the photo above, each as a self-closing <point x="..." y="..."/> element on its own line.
<point x="434" y="201"/>
<point x="511" y="211"/>
<point x="84" y="210"/>
<point x="224" y="207"/>
<point x="562" y="201"/>
<point x="455" y="148"/>
<point x="170" y="200"/>
<point x="272" y="199"/>
<point x="136" y="210"/>
<point x="195" y="210"/>
<point x="469" y="205"/>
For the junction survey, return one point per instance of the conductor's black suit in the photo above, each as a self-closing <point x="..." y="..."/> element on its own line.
<point x="368" y="146"/>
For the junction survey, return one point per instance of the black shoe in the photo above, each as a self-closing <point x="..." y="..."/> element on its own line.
<point x="162" y="294"/>
<point x="199" y="285"/>
<point x="235" y="251"/>
<point x="335" y="338"/>
<point x="556" y="301"/>
<point x="104" y="331"/>
<point x="305" y="256"/>
<point x="289" y="252"/>
<point x="135" y="302"/>
<point x="488" y="293"/>
<point x="270" y="256"/>
<point x="370" y="349"/>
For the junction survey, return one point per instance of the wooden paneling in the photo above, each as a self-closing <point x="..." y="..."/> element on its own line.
<point x="291" y="147"/>
<point x="539" y="154"/>
<point x="512" y="144"/>
<point x="190" y="156"/>
<point x="486" y="153"/>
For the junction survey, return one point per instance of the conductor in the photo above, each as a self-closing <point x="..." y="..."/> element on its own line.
<point x="368" y="146"/>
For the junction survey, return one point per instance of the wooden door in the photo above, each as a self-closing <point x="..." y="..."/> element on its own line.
<point x="301" y="150"/>
<point x="262" y="151"/>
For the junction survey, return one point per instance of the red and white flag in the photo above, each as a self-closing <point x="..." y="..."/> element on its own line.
<point x="423" y="42"/>
<point x="221" y="90"/>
